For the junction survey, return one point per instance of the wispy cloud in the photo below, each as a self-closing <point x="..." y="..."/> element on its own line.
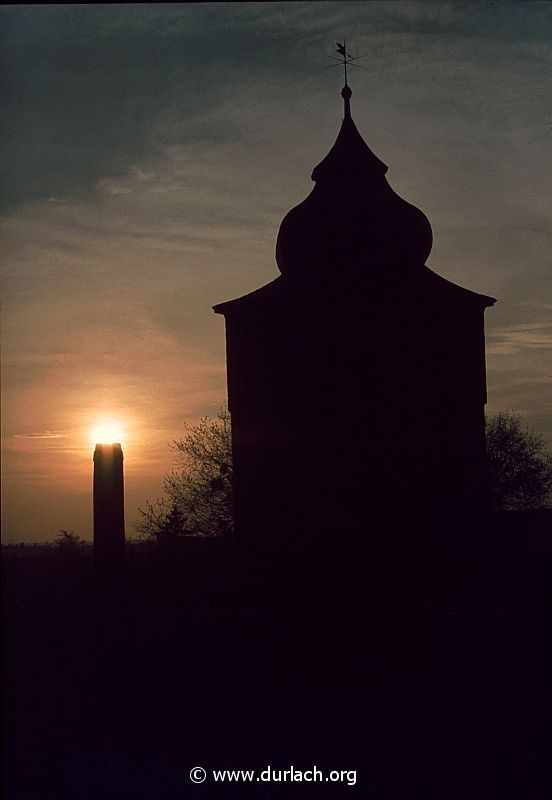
<point x="516" y="338"/>
<point x="42" y="435"/>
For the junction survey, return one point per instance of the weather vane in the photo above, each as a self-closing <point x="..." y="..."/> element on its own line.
<point x="346" y="58"/>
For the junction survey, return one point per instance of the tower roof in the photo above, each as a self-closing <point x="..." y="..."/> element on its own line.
<point x="353" y="225"/>
<point x="353" y="233"/>
<point x="349" y="152"/>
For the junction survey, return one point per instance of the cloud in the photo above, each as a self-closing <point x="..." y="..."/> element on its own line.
<point x="43" y="435"/>
<point x="92" y="90"/>
<point x="507" y="341"/>
<point x="151" y="153"/>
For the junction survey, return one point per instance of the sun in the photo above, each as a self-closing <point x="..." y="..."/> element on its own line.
<point x="107" y="431"/>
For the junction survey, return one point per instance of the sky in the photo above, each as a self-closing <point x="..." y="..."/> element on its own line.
<point x="149" y="155"/>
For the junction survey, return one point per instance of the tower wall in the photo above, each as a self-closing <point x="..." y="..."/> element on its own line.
<point x="354" y="420"/>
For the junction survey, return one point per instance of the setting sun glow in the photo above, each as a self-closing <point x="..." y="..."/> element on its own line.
<point x="108" y="431"/>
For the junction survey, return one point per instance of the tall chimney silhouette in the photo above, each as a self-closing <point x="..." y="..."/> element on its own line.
<point x="109" y="515"/>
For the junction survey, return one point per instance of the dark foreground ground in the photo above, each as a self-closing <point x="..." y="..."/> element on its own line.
<point x="428" y="702"/>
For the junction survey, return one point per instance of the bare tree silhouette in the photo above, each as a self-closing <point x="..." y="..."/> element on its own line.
<point x="520" y="468"/>
<point x="197" y="499"/>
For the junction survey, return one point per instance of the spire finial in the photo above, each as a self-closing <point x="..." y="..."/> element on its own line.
<point x="345" y="59"/>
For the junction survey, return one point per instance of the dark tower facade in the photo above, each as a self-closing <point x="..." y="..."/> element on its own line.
<point x="356" y="379"/>
<point x="109" y="514"/>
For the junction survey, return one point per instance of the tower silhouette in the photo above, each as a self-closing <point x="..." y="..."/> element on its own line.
<point x="109" y="515"/>
<point x="356" y="379"/>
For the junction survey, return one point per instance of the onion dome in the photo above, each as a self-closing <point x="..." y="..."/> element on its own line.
<point x="352" y="225"/>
